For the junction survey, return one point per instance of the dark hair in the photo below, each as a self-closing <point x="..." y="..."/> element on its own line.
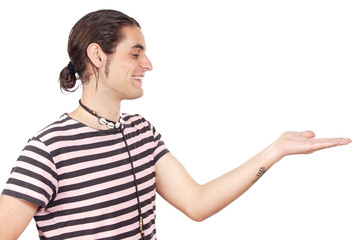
<point x="103" y="27"/>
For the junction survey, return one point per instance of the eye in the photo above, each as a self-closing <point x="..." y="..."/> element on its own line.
<point x="136" y="55"/>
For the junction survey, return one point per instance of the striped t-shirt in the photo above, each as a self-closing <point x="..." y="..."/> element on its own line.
<point x="90" y="184"/>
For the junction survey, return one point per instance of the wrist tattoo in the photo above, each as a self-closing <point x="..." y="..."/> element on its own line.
<point x="260" y="173"/>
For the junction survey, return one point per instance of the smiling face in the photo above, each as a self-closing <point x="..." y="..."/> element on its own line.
<point x="123" y="72"/>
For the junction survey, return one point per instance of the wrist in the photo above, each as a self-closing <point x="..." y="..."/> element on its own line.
<point x="274" y="152"/>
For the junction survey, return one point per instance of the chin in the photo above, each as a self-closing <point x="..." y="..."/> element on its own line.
<point x="135" y="95"/>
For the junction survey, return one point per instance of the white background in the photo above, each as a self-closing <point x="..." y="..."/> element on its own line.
<point x="229" y="77"/>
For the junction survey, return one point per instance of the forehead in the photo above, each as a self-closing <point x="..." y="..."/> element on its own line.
<point x="133" y="38"/>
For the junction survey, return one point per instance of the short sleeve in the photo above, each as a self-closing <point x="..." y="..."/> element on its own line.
<point x="160" y="149"/>
<point x="34" y="177"/>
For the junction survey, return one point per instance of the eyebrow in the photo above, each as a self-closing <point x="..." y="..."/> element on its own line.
<point x="140" y="46"/>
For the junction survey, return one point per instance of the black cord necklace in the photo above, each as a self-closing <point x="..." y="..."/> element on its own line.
<point x="103" y="121"/>
<point x="112" y="125"/>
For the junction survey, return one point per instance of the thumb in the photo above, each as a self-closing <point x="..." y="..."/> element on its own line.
<point x="308" y="134"/>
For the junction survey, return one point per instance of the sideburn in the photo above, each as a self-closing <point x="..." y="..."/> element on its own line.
<point x="106" y="69"/>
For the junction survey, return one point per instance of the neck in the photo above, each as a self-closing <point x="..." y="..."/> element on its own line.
<point x="104" y="105"/>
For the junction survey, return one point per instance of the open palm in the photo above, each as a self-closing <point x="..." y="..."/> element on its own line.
<point x="305" y="142"/>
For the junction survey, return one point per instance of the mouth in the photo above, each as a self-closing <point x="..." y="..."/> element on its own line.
<point x="138" y="77"/>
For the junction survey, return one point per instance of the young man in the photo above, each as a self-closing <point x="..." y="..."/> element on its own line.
<point x="93" y="173"/>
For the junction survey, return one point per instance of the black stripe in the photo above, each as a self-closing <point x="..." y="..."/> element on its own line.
<point x="136" y="132"/>
<point x="95" y="181"/>
<point x="80" y="136"/>
<point x="59" y="121"/>
<point x="38" y="164"/>
<point x="88" y="158"/>
<point x="39" y="151"/>
<point x="24" y="197"/>
<point x="34" y="175"/>
<point x="146" y="178"/>
<point x="140" y="143"/>
<point x="102" y="229"/>
<point x="30" y="186"/>
<point x="75" y="148"/>
<point x="129" y="116"/>
<point x="95" y="194"/>
<point x="88" y="208"/>
<point x="157" y="138"/>
<point x="94" y="169"/>
<point x="141" y="168"/>
<point x="149" y="224"/>
<point x="143" y="154"/>
<point x="93" y="219"/>
<point x="104" y="192"/>
<point x="60" y="128"/>
<point x="144" y="192"/>
<point x="151" y="235"/>
<point x="124" y="235"/>
<point x="159" y="155"/>
<point x="147" y="214"/>
<point x="138" y="121"/>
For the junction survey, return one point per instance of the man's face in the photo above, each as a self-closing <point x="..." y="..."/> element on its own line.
<point x="125" y="69"/>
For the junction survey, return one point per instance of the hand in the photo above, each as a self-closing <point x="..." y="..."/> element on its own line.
<point x="305" y="142"/>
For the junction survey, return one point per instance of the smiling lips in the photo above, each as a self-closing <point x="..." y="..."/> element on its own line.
<point x="138" y="77"/>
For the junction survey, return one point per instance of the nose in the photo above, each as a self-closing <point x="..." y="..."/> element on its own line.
<point x="147" y="64"/>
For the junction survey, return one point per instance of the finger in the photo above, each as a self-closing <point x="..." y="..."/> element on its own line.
<point x="344" y="141"/>
<point x="338" y="141"/>
<point x="308" y="134"/>
<point x="323" y="143"/>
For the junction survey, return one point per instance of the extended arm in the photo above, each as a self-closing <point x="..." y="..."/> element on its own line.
<point x="202" y="201"/>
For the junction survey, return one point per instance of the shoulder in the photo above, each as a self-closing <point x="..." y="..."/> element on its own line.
<point x="135" y="120"/>
<point x="137" y="123"/>
<point x="64" y="125"/>
<point x="129" y="118"/>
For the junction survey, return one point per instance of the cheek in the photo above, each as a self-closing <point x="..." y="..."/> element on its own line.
<point x="122" y="69"/>
<point x="118" y="72"/>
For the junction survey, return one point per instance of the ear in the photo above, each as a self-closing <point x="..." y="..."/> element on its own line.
<point x="96" y="55"/>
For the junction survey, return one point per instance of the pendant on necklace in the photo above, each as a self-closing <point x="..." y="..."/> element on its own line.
<point x="110" y="125"/>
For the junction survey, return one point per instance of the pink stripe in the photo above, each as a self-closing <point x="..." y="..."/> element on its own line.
<point x="144" y="173"/>
<point x="95" y="188"/>
<point x="95" y="175"/>
<point x="37" y="144"/>
<point x="159" y="149"/>
<point x="141" y="149"/>
<point x="65" y="133"/>
<point x="146" y="185"/>
<point x="138" y="138"/>
<point x="113" y="233"/>
<point x="150" y="229"/>
<point x="26" y="191"/>
<point x="55" y="125"/>
<point x="89" y="152"/>
<point x="142" y="161"/>
<point x="80" y="142"/>
<point x="101" y="199"/>
<point x="82" y="215"/>
<point x="86" y="164"/>
<point x="32" y="168"/>
<point x="35" y="169"/>
<point x="146" y="197"/>
<point x="120" y="231"/>
<point x="96" y="225"/>
<point x="33" y="181"/>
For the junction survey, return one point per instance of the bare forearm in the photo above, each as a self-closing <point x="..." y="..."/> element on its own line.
<point x="202" y="201"/>
<point x="217" y="194"/>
